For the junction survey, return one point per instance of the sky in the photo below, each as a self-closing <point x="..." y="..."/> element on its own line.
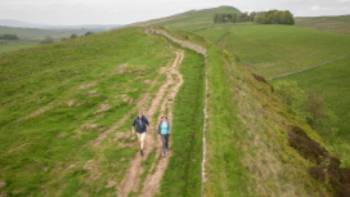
<point x="78" y="12"/>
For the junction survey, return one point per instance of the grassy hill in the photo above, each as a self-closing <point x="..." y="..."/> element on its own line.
<point x="57" y="99"/>
<point x="192" y="19"/>
<point x="340" y="24"/>
<point x="316" y="60"/>
<point x="279" y="51"/>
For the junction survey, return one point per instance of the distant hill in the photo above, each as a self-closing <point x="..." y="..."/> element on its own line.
<point x="32" y="36"/>
<point x="39" y="34"/>
<point x="23" y="24"/>
<point x="339" y="24"/>
<point x="193" y="18"/>
<point x="17" y="23"/>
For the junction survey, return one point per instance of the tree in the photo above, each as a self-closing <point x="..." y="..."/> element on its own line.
<point x="231" y="18"/>
<point x="274" y="17"/>
<point x="244" y="17"/>
<point x="252" y="16"/>
<point x="9" y="37"/>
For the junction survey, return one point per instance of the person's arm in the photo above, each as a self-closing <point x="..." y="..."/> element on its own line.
<point x="146" y="121"/>
<point x="169" y="128"/>
<point x="159" y="128"/>
<point x="133" y="127"/>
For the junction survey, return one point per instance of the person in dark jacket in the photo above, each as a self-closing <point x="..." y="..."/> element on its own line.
<point x="140" y="125"/>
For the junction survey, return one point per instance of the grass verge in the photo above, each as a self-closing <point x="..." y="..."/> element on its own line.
<point x="182" y="177"/>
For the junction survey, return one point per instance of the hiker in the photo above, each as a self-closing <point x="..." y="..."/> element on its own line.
<point x="164" y="131"/>
<point x="140" y="125"/>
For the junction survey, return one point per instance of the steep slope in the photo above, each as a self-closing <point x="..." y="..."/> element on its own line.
<point x="256" y="146"/>
<point x="317" y="61"/>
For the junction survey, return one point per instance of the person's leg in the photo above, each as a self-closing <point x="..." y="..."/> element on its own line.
<point x="142" y="140"/>
<point x="167" y="141"/>
<point x="163" y="144"/>
<point x="141" y="137"/>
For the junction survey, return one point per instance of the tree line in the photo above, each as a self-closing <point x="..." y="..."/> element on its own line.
<point x="9" y="37"/>
<point x="268" y="17"/>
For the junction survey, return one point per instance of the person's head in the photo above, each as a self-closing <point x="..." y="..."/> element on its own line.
<point x="163" y="118"/>
<point x="141" y="114"/>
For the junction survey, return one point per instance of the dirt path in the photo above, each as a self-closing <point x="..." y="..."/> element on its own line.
<point x="162" y="102"/>
<point x="141" y="103"/>
<point x="203" y="51"/>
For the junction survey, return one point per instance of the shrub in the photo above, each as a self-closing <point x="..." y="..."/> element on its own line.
<point x="319" y="115"/>
<point x="73" y="36"/>
<point x="88" y="33"/>
<point x="293" y="96"/>
<point x="309" y="106"/>
<point x="47" y="40"/>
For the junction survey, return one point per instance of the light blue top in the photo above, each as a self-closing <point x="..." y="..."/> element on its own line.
<point x="164" y="128"/>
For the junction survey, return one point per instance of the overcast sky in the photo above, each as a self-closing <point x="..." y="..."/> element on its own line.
<point x="74" y="12"/>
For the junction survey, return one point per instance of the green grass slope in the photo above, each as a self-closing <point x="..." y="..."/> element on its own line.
<point x="265" y="162"/>
<point x="9" y="46"/>
<point x="340" y="24"/>
<point x="56" y="99"/>
<point x="192" y="19"/>
<point x="332" y="82"/>
<point x="279" y="51"/>
<point x="318" y="61"/>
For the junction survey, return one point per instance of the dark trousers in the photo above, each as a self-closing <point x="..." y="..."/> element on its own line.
<point x="165" y="143"/>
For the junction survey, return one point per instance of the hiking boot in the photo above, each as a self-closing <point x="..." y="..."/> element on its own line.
<point x="141" y="152"/>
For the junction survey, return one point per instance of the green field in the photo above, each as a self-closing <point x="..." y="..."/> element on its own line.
<point x="52" y="100"/>
<point x="318" y="61"/>
<point x="340" y="24"/>
<point x="9" y="46"/>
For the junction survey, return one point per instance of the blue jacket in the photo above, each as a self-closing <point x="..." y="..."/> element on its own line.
<point x="164" y="128"/>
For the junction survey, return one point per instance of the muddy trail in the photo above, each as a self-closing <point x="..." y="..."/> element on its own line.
<point x="202" y="51"/>
<point x="161" y="105"/>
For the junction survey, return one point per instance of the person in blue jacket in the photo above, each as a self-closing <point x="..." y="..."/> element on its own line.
<point x="164" y="131"/>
